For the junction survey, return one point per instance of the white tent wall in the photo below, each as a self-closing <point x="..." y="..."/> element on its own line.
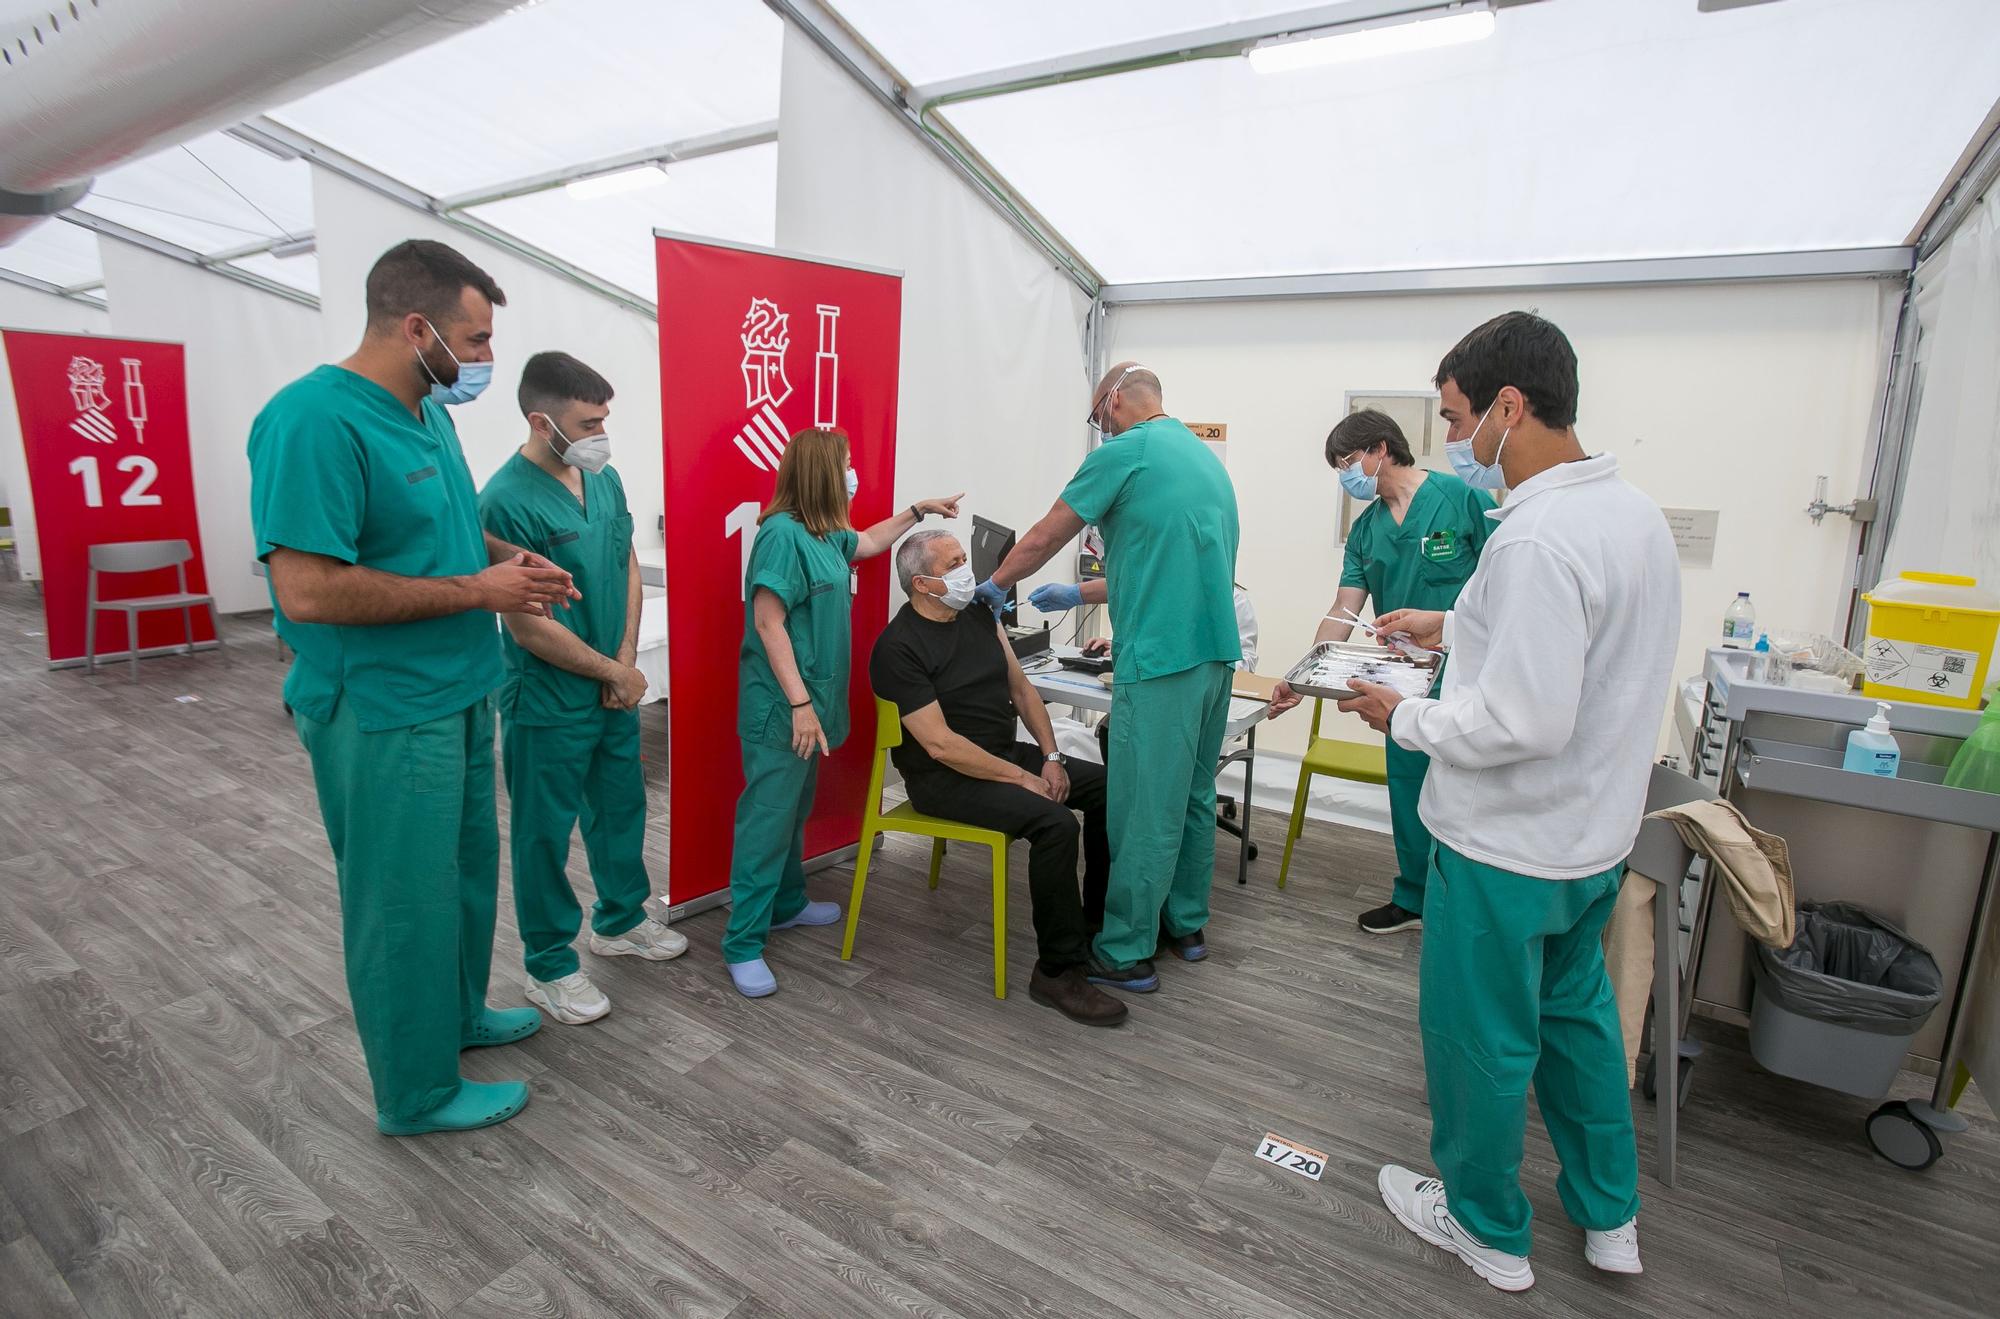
<point x="1946" y="521"/>
<point x="242" y="346"/>
<point x="543" y="311"/>
<point x="29" y="309"/>
<point x="1727" y="397"/>
<point x="993" y="387"/>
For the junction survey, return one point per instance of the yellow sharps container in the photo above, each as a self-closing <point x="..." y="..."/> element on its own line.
<point x="1930" y="639"/>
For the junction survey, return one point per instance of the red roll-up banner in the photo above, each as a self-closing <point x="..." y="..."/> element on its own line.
<point x="105" y="425"/>
<point x="755" y="345"/>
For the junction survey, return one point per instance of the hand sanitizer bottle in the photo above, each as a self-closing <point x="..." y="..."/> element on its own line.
<point x="1873" y="750"/>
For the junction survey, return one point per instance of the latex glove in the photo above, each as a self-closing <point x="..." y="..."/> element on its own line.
<point x="1056" y="597"/>
<point x="991" y="596"/>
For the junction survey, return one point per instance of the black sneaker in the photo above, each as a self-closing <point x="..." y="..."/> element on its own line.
<point x="1138" y="978"/>
<point x="1187" y="947"/>
<point x="1389" y="918"/>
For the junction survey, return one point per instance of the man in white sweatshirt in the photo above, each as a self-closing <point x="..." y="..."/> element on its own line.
<point x="1541" y="745"/>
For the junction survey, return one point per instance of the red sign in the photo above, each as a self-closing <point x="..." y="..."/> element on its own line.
<point x="753" y="347"/>
<point x="105" y="425"/>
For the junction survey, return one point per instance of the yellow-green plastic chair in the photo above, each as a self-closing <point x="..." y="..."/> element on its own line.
<point x="907" y="819"/>
<point x="1336" y="759"/>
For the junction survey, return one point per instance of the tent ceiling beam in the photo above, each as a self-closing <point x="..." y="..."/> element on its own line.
<point x="665" y="153"/>
<point x="1963" y="191"/>
<point x="861" y="62"/>
<point x="187" y="256"/>
<point x="75" y="293"/>
<point x="395" y="190"/>
<point x="1835" y="264"/>
<point x="1222" y="41"/>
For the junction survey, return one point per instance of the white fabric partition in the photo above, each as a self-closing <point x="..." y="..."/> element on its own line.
<point x="993" y="373"/>
<point x="25" y="309"/>
<point x="543" y="311"/>
<point x="1718" y="397"/>
<point x="1949" y="519"/>
<point x="242" y="347"/>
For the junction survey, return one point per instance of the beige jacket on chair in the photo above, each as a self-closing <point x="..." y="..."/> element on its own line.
<point x="1755" y="871"/>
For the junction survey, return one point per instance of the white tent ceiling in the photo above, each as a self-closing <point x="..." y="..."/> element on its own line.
<point x="1580" y="130"/>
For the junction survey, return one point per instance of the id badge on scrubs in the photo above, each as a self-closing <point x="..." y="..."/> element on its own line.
<point x="1441" y="546"/>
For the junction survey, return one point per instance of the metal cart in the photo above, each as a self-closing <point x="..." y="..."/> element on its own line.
<point x="1775" y="751"/>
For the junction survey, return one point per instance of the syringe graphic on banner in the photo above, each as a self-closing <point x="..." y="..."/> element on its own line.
<point x="135" y="398"/>
<point x="826" y="371"/>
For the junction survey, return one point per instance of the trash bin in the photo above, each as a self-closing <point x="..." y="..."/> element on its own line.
<point x="1839" y="1007"/>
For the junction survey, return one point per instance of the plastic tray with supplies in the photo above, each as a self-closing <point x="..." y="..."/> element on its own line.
<point x="1329" y="667"/>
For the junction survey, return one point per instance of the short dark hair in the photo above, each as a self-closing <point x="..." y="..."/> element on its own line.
<point x="550" y="380"/>
<point x="1360" y="431"/>
<point x="425" y="277"/>
<point x="1519" y="349"/>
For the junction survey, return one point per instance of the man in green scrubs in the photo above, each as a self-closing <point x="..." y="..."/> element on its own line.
<point x="1168" y="514"/>
<point x="1413" y="547"/>
<point x="569" y="723"/>
<point x="385" y="587"/>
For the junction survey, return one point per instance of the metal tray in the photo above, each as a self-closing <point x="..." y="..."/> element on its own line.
<point x="1328" y="666"/>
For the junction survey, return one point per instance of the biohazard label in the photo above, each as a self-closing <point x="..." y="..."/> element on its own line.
<point x="1932" y="670"/>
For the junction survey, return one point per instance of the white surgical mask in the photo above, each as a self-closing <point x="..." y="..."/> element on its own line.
<point x="1478" y="475"/>
<point x="589" y="455"/>
<point x="473" y="377"/>
<point x="853" y="483"/>
<point x="959" y="585"/>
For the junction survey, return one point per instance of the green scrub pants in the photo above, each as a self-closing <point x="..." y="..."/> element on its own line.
<point x="1166" y="735"/>
<point x="767" y="876"/>
<point x="416" y="844"/>
<point x="555" y="773"/>
<point x="1406" y="771"/>
<point x="1514" y="990"/>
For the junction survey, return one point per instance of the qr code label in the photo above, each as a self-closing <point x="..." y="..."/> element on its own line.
<point x="1936" y="672"/>
<point x="1953" y="664"/>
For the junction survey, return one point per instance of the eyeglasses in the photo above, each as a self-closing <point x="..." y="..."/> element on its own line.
<point x="1092" y="420"/>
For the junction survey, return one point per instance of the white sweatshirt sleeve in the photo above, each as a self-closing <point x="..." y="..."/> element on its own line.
<point x="1522" y="704"/>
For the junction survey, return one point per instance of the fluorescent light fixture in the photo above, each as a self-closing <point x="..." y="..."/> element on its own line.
<point x="649" y="175"/>
<point x="1396" y="38"/>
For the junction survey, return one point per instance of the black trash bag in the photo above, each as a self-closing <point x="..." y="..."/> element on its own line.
<point x="1850" y="968"/>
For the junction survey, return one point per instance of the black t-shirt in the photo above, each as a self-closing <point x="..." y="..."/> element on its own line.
<point x="959" y="665"/>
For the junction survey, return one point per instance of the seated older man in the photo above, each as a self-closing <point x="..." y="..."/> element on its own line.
<point x="959" y="689"/>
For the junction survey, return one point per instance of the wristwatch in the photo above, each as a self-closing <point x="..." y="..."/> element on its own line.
<point x="916" y="514"/>
<point x="1053" y="757"/>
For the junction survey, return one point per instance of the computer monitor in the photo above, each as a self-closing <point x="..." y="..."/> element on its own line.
<point x="991" y="544"/>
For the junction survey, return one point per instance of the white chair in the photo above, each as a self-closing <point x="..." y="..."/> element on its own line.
<point x="143" y="556"/>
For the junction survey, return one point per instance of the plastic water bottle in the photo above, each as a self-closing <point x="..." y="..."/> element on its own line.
<point x="1739" y="622"/>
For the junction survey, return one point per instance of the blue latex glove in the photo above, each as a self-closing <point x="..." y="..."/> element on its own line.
<point x="991" y="596"/>
<point x="1056" y="597"/>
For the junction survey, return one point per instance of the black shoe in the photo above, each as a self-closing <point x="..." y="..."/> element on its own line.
<point x="1187" y="947"/>
<point x="1076" y="998"/>
<point x="1138" y="978"/>
<point x="1389" y="918"/>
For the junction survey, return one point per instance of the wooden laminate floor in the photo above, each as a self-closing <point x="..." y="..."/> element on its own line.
<point x="185" y="1127"/>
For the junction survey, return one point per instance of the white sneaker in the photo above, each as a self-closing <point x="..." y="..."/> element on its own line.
<point x="1616" y="1251"/>
<point x="572" y="1000"/>
<point x="648" y="939"/>
<point x="1419" y="1204"/>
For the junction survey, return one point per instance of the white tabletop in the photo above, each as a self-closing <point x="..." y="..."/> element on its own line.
<point x="1082" y="691"/>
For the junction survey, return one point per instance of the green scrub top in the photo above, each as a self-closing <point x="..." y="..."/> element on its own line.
<point x="1423" y="562"/>
<point x="1168" y="514"/>
<point x="338" y="467"/>
<point x="810" y="575"/>
<point x="524" y="505"/>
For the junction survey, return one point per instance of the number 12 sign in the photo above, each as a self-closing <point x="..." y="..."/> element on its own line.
<point x="104" y="422"/>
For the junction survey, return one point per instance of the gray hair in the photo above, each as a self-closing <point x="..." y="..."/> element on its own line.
<point x="913" y="557"/>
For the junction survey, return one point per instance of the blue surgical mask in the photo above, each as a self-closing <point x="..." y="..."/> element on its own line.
<point x="1356" y="480"/>
<point x="853" y="483"/>
<point x="473" y="377"/>
<point x="1478" y="475"/>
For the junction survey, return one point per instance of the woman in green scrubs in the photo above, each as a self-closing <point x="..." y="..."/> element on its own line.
<point x="1413" y="547"/>
<point x="792" y="703"/>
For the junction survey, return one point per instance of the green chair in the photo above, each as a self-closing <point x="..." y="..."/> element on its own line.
<point x="907" y="819"/>
<point x="1336" y="759"/>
